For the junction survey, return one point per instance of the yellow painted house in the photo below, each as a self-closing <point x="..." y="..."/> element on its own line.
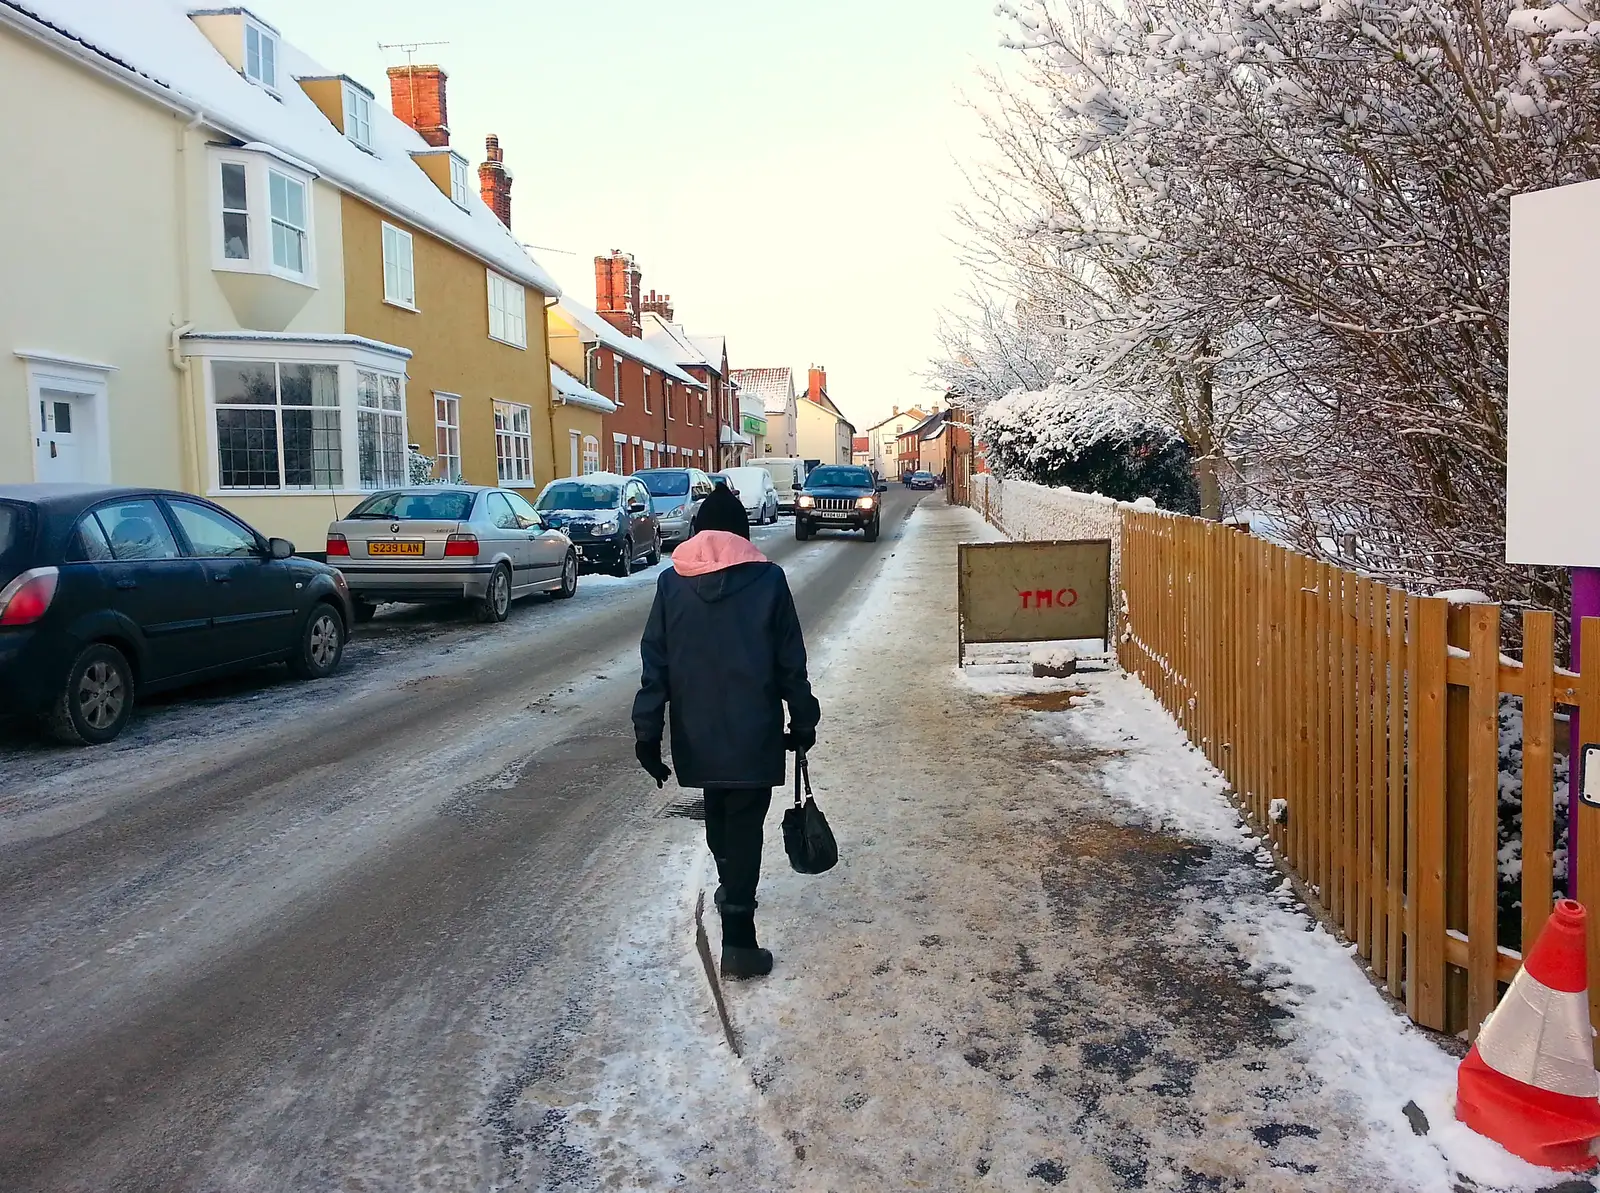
<point x="315" y="282"/>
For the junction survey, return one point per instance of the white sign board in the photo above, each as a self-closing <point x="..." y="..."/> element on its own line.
<point x="1553" y="395"/>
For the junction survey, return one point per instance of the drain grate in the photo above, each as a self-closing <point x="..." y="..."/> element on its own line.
<point x="693" y="808"/>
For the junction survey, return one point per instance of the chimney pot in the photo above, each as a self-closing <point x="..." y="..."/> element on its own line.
<point x="417" y="96"/>
<point x="616" y="291"/>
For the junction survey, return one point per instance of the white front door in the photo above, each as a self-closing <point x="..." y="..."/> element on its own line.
<point x="62" y="424"/>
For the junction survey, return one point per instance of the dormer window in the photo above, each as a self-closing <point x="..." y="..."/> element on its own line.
<point x="358" y="115"/>
<point x="260" y="54"/>
<point x="459" y="191"/>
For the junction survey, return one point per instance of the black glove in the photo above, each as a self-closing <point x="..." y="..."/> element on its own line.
<point x="649" y="755"/>
<point x="800" y="741"/>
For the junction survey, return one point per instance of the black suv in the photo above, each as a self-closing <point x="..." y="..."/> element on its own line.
<point x="107" y="592"/>
<point x="838" y="498"/>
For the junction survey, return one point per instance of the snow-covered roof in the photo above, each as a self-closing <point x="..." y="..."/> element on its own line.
<point x="912" y="413"/>
<point x="588" y="319"/>
<point x="695" y="352"/>
<point x="775" y="387"/>
<point x="161" y="51"/>
<point x="577" y="393"/>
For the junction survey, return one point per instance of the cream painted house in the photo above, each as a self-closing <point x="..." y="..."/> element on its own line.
<point x="211" y="352"/>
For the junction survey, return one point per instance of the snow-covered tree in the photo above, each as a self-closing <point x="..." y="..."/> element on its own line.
<point x="1279" y="228"/>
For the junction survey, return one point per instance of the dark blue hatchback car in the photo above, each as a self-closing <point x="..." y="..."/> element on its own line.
<point x="106" y="593"/>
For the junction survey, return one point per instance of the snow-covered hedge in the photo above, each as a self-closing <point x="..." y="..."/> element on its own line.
<point x="1028" y="512"/>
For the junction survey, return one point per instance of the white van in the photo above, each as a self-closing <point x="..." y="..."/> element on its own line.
<point x="788" y="478"/>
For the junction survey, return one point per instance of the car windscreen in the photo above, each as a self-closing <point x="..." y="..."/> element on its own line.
<point x="665" y="484"/>
<point x="839" y="478"/>
<point x="16" y="539"/>
<point x="579" y="497"/>
<point x="447" y="505"/>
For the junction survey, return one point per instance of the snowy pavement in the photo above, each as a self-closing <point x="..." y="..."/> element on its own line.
<point x="1051" y="956"/>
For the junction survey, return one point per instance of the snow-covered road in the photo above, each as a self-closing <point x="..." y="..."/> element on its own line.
<point x="329" y="936"/>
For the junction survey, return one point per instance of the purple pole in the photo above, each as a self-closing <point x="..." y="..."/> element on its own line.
<point x="1585" y="603"/>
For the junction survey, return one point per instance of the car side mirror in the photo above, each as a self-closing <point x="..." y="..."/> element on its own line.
<point x="279" y="548"/>
<point x="883" y="486"/>
<point x="636" y="506"/>
<point x="533" y="523"/>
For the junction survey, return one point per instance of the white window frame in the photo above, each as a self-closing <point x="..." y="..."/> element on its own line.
<point x="259" y="168"/>
<point x="266" y="73"/>
<point x="508" y="325"/>
<point x="86" y="380"/>
<point x="591" y="455"/>
<point x="348" y="357"/>
<point x="399" y="274"/>
<point x="573" y="439"/>
<point x="513" y="443"/>
<point x="388" y="414"/>
<point x="616" y="380"/>
<point x="619" y="449"/>
<point x="285" y="220"/>
<point x="446" y="419"/>
<point x="666" y="396"/>
<point x="646" y="391"/>
<point x="460" y="184"/>
<point x="357" y="115"/>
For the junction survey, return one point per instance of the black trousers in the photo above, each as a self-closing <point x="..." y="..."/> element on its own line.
<point x="734" y="818"/>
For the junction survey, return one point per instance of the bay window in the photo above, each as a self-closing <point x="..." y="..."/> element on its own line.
<point x="261" y="215"/>
<point x="289" y="414"/>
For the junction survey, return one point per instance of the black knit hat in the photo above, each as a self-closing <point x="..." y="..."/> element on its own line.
<point x="722" y="511"/>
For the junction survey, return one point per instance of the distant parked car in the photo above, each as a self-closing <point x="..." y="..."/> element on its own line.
<point x="675" y="497"/>
<point x="838" y="497"/>
<point x="107" y="594"/>
<point x="608" y="519"/>
<point x="921" y="480"/>
<point x="753" y="486"/>
<point x="450" y="543"/>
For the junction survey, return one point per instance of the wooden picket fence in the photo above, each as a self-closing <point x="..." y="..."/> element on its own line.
<point x="1373" y="713"/>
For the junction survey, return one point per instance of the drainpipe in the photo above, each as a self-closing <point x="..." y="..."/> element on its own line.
<point x="550" y="398"/>
<point x="188" y="424"/>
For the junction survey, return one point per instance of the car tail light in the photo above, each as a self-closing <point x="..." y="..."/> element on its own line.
<point x="25" y="600"/>
<point x="338" y="545"/>
<point x="461" y="544"/>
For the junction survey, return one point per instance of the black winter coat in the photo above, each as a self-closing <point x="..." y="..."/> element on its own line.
<point x="725" y="651"/>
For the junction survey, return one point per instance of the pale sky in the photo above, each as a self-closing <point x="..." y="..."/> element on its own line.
<point x="788" y="179"/>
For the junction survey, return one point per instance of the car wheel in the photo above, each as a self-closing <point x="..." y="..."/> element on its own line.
<point x="365" y="612"/>
<point x="655" y="553"/>
<point x="872" y="531"/>
<point x="624" y="566"/>
<point x="321" y="644"/>
<point x="495" y="604"/>
<point x="96" y="700"/>
<point x="801" y="531"/>
<point x="569" y="578"/>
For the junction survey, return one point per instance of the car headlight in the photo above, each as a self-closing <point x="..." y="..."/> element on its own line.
<point x="676" y="511"/>
<point x="609" y="526"/>
<point x="805" y="501"/>
<point x="866" y="503"/>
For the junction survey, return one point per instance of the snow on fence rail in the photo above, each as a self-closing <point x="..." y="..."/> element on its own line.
<point x="1373" y="713"/>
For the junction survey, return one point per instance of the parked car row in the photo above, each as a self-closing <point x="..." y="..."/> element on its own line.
<point x="111" y="593"/>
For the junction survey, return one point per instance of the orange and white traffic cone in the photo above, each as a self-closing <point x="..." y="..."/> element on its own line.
<point x="1529" y="1083"/>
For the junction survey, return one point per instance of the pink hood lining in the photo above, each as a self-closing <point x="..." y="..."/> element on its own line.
<point x="714" y="551"/>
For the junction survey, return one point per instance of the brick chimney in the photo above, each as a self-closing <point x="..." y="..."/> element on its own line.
<point x="817" y="382"/>
<point x="416" y="95"/>
<point x="494" y="180"/>
<point x="657" y="304"/>
<point x="616" y="291"/>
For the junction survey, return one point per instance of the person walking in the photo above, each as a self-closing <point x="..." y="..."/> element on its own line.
<point x="723" y="653"/>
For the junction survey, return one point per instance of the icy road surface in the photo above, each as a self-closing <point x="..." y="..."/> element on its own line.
<point x="295" y="937"/>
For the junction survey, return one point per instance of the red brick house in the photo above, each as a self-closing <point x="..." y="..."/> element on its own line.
<point x="705" y="358"/>
<point x="661" y="417"/>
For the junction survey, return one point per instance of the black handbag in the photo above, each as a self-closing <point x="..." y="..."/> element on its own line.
<point x="806" y="835"/>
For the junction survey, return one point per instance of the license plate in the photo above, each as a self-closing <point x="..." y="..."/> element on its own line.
<point x="833" y="514"/>
<point x="396" y="548"/>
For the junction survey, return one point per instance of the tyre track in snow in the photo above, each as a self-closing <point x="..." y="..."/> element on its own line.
<point x="270" y="910"/>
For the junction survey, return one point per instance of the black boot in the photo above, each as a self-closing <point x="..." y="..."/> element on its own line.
<point x="741" y="956"/>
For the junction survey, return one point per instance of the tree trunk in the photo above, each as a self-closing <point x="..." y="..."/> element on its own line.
<point x="1205" y="475"/>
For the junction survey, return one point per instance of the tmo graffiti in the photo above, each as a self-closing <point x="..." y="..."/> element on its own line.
<point x="1046" y="598"/>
